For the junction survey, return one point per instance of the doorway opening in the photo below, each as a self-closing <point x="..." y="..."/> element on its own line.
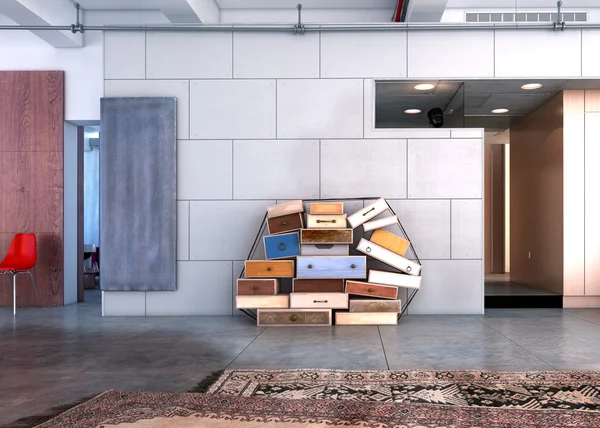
<point x="91" y="215"/>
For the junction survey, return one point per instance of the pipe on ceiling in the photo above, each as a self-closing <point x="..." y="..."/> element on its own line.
<point x="307" y="27"/>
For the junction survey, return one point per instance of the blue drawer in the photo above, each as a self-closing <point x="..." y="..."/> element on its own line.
<point x="332" y="267"/>
<point x="282" y="246"/>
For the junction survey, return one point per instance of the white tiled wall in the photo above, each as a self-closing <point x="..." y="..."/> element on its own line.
<point x="262" y="118"/>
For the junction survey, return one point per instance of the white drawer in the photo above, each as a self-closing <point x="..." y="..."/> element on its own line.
<point x="280" y="301"/>
<point x="388" y="257"/>
<point x="324" y="250"/>
<point x="285" y="208"/>
<point x="366" y="318"/>
<point x="367" y="213"/>
<point x="380" y="223"/>
<point x="319" y="300"/>
<point x="326" y="221"/>
<point x="397" y="279"/>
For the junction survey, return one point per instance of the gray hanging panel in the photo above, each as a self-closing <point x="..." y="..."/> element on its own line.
<point x="138" y="206"/>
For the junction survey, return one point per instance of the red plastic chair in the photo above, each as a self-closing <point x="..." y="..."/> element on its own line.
<point x="21" y="256"/>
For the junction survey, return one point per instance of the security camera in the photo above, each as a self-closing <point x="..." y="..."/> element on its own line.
<point x="436" y="117"/>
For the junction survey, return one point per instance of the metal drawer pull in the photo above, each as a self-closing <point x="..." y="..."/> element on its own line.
<point x="370" y="290"/>
<point x="319" y="301"/>
<point x="284" y="223"/>
<point x="326" y="221"/>
<point x="281" y="246"/>
<point x="365" y="213"/>
<point x="269" y="269"/>
<point x="293" y="318"/>
<point x="255" y="287"/>
<point x="352" y="266"/>
<point x="309" y="266"/>
<point x="368" y="249"/>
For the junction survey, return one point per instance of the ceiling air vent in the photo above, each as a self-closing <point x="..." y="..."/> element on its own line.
<point x="525" y="17"/>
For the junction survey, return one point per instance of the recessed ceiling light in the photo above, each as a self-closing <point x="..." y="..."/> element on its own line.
<point x="500" y="110"/>
<point x="424" y="87"/>
<point x="412" y="111"/>
<point x="531" y="86"/>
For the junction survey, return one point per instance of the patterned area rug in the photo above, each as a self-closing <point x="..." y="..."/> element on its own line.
<point x="115" y="409"/>
<point x="527" y="390"/>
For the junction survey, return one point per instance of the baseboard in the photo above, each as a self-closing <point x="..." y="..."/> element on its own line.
<point x="524" y="301"/>
<point x="581" y="302"/>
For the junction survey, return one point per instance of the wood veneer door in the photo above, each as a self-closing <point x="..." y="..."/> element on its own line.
<point x="31" y="184"/>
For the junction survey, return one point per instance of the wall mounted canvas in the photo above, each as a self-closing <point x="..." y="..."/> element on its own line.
<point x="138" y="194"/>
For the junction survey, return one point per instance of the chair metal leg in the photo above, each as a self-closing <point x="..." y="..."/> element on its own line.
<point x="34" y="287"/>
<point x="14" y="294"/>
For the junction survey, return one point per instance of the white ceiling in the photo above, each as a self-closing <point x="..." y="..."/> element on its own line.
<point x="333" y="4"/>
<point x="518" y="4"/>
<point x="309" y="4"/>
<point x="239" y="4"/>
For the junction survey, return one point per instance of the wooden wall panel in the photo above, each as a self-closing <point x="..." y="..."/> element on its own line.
<point x="494" y="208"/>
<point x="592" y="204"/>
<point x="574" y="192"/>
<point x="536" y="198"/>
<point x="31" y="188"/>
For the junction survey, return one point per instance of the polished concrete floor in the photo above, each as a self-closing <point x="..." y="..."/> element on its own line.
<point x="54" y="356"/>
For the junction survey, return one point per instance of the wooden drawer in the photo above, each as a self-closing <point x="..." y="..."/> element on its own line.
<point x="332" y="267"/>
<point x="319" y="300"/>
<point x="324" y="250"/>
<point x="285" y="208"/>
<point x="281" y="301"/>
<point x="368" y="305"/>
<point x="367" y="213"/>
<point x="269" y="268"/>
<point x="326" y="221"/>
<point x="282" y="246"/>
<point x="395" y="279"/>
<point x="326" y="236"/>
<point x="327" y="208"/>
<point x="286" y="223"/>
<point x="373" y="318"/>
<point x="370" y="289"/>
<point x="388" y="257"/>
<point x="389" y="241"/>
<point x="291" y="317"/>
<point x="380" y="223"/>
<point x="318" y="285"/>
<point x="257" y="287"/>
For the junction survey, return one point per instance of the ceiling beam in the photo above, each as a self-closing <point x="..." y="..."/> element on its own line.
<point x="45" y="12"/>
<point x="207" y="10"/>
<point x="192" y="11"/>
<point x="425" y="10"/>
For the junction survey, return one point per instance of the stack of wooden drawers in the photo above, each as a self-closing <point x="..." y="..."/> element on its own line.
<point x="324" y="274"/>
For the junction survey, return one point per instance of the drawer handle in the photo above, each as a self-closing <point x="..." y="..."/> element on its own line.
<point x="293" y="318"/>
<point x="370" y="290"/>
<point x="309" y="266"/>
<point x="326" y="221"/>
<point x="352" y="266"/>
<point x="367" y="212"/>
<point x="408" y="269"/>
<point x="284" y="223"/>
<point x="319" y="301"/>
<point x="368" y="249"/>
<point x="255" y="287"/>
<point x="269" y="269"/>
<point x="281" y="246"/>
